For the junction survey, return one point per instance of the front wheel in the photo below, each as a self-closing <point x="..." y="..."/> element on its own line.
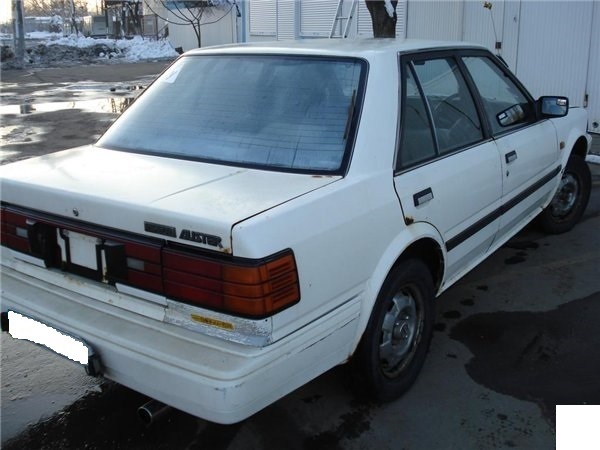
<point x="393" y="348"/>
<point x="570" y="200"/>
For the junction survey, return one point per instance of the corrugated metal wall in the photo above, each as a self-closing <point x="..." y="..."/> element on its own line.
<point x="263" y="17"/>
<point x="553" y="49"/>
<point x="551" y="45"/>
<point x="483" y="25"/>
<point x="435" y="19"/>
<point x="510" y="32"/>
<point x="593" y="79"/>
<point x="286" y="19"/>
<point x="316" y="17"/>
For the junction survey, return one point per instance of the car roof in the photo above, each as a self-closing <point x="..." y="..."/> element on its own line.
<point x="360" y="47"/>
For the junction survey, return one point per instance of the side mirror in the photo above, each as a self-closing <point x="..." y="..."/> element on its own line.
<point x="553" y="106"/>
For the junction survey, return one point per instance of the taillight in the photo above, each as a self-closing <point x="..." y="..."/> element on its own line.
<point x="248" y="288"/>
<point x="137" y="263"/>
<point x="14" y="231"/>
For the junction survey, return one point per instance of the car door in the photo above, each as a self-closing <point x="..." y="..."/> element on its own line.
<point x="448" y="173"/>
<point x="528" y="148"/>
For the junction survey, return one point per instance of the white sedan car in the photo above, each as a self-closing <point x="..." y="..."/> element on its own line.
<point x="263" y="213"/>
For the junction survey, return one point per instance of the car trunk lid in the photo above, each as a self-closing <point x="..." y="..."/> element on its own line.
<point x="183" y="201"/>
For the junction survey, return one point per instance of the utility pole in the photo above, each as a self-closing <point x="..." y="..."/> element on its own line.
<point x="19" y="31"/>
<point x="73" y="18"/>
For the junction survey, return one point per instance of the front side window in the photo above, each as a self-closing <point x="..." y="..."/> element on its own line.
<point x="438" y="114"/>
<point x="499" y="94"/>
<point x="274" y="112"/>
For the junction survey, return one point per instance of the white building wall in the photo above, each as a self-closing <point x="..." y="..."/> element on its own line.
<point x="593" y="78"/>
<point x="286" y="19"/>
<point x="440" y="19"/>
<point x="482" y="25"/>
<point x="221" y="32"/>
<point x="554" y="48"/>
<point x="510" y="32"/>
<point x="261" y="20"/>
<point x="268" y="20"/>
<point x="316" y="17"/>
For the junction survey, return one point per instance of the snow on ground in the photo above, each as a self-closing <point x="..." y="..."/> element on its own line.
<point x="52" y="49"/>
<point x="592" y="158"/>
<point x="134" y="49"/>
<point x="42" y="35"/>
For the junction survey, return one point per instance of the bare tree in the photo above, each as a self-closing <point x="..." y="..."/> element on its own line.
<point x="71" y="10"/>
<point x="383" y="17"/>
<point x="192" y="12"/>
<point x="41" y="8"/>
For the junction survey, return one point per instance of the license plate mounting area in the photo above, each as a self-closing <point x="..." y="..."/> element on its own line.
<point x="80" y="253"/>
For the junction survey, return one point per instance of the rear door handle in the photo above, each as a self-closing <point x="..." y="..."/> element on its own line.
<point x="510" y="157"/>
<point x="423" y="197"/>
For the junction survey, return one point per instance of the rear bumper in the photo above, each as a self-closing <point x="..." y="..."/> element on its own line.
<point x="208" y="377"/>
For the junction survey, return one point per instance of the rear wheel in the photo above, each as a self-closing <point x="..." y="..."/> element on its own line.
<point x="393" y="348"/>
<point x="570" y="200"/>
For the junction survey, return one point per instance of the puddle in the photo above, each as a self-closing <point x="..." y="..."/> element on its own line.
<point x="88" y="96"/>
<point x="106" y="105"/>
<point x="35" y="384"/>
<point x="103" y="87"/>
<point x="550" y="358"/>
<point x="107" y="420"/>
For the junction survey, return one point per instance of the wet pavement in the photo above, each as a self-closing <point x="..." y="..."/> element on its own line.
<point x="513" y="338"/>
<point x="46" y="110"/>
<point x="529" y="355"/>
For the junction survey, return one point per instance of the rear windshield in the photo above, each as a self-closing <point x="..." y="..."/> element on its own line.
<point x="275" y="112"/>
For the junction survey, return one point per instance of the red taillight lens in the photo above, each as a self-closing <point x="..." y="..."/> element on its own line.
<point x="14" y="231"/>
<point x="137" y="263"/>
<point x="254" y="289"/>
<point x="250" y="288"/>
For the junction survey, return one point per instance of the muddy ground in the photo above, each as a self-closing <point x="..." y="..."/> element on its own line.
<point x="514" y="338"/>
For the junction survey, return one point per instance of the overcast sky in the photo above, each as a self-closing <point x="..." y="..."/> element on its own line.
<point x="5" y="14"/>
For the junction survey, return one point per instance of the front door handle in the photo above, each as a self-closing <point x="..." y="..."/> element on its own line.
<point x="423" y="197"/>
<point x="510" y="157"/>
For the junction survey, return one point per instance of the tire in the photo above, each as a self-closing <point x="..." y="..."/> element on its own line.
<point x="393" y="347"/>
<point x="570" y="200"/>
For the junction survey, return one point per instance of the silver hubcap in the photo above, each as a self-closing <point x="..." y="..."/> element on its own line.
<point x="398" y="333"/>
<point x="565" y="197"/>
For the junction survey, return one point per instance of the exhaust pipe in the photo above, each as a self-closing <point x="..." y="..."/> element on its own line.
<point x="152" y="412"/>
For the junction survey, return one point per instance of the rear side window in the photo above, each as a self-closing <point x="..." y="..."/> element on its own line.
<point x="278" y="112"/>
<point x="417" y="142"/>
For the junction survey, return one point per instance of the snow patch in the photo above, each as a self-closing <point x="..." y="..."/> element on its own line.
<point x="42" y="35"/>
<point x="593" y="159"/>
<point x="389" y="8"/>
<point x="54" y="49"/>
<point x="135" y="49"/>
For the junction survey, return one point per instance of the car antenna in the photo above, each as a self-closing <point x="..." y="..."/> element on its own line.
<point x="498" y="45"/>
